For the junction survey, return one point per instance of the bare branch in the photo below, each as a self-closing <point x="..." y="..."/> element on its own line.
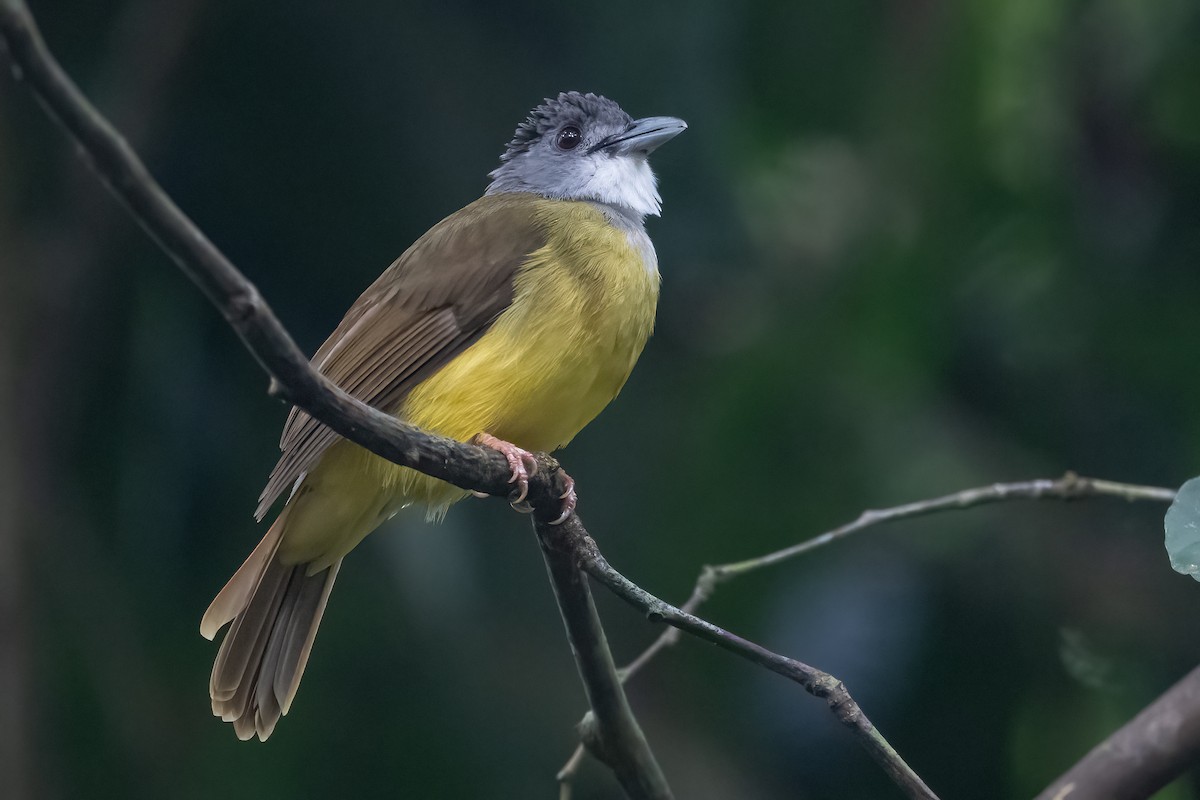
<point x="815" y="682"/>
<point x="1069" y="487"/>
<point x="1143" y="756"/>
<point x="142" y="51"/>
<point x="615" y="738"/>
<point x="294" y="379"/>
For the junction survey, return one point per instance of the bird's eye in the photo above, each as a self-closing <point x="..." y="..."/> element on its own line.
<point x="569" y="138"/>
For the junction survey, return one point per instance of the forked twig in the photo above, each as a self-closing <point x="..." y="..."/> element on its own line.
<point x="1069" y="487"/>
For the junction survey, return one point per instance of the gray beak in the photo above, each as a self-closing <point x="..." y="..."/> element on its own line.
<point x="644" y="136"/>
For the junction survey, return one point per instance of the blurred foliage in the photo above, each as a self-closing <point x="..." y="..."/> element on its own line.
<point x="907" y="248"/>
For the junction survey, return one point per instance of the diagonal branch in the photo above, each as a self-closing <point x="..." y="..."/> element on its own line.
<point x="618" y="739"/>
<point x="815" y="682"/>
<point x="615" y="737"/>
<point x="1069" y="487"/>
<point x="293" y="378"/>
<point x="1144" y="755"/>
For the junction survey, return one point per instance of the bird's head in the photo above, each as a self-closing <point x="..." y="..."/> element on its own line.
<point x="584" y="147"/>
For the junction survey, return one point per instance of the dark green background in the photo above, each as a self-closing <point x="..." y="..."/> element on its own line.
<point x="907" y="248"/>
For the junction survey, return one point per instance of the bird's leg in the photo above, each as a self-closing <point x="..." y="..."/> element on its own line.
<point x="521" y="462"/>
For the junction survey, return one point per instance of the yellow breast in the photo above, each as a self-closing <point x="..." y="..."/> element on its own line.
<point x="583" y="308"/>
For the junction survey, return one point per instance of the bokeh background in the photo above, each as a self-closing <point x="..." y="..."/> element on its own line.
<point x="907" y="248"/>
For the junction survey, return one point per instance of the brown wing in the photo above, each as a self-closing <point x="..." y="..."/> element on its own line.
<point x="428" y="306"/>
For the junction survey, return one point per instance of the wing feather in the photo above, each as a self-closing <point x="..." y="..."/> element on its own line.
<point x="427" y="307"/>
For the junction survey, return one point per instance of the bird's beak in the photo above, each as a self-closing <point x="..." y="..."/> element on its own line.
<point x="644" y="136"/>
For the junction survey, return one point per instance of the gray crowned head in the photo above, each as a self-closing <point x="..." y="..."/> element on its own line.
<point x="584" y="147"/>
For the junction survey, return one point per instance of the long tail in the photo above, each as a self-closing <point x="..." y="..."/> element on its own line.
<point x="275" y="610"/>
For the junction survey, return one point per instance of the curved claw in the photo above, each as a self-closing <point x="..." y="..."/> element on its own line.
<point x="569" y="498"/>
<point x="521" y="462"/>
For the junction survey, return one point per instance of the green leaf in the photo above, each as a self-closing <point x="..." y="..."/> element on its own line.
<point x="1183" y="529"/>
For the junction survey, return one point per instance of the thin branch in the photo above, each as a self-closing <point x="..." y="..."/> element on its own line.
<point x="144" y="49"/>
<point x="668" y="637"/>
<point x="468" y="467"/>
<point x="1144" y="755"/>
<point x="816" y="682"/>
<point x="1069" y="487"/>
<point x="293" y="378"/>
<point x="615" y="738"/>
<point x="566" y="775"/>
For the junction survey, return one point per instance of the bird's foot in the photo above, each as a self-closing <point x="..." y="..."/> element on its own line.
<point x="521" y="462"/>
<point x="524" y="464"/>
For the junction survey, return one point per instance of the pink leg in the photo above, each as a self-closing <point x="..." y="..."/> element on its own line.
<point x="521" y="462"/>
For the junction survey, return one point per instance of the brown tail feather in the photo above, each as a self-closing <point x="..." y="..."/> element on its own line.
<point x="275" y="610"/>
<point x="235" y="596"/>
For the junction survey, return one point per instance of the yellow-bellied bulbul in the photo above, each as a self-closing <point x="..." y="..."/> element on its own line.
<point x="511" y="323"/>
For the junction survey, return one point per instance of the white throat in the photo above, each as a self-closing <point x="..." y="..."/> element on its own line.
<point x="625" y="182"/>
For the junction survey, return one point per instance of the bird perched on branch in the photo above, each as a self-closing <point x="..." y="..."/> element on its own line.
<point x="511" y="323"/>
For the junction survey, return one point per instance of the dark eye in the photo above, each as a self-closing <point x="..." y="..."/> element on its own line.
<point x="569" y="138"/>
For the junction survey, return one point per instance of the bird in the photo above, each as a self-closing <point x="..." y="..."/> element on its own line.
<point x="509" y="324"/>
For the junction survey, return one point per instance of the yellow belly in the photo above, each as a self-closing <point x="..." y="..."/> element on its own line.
<point x="583" y="307"/>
